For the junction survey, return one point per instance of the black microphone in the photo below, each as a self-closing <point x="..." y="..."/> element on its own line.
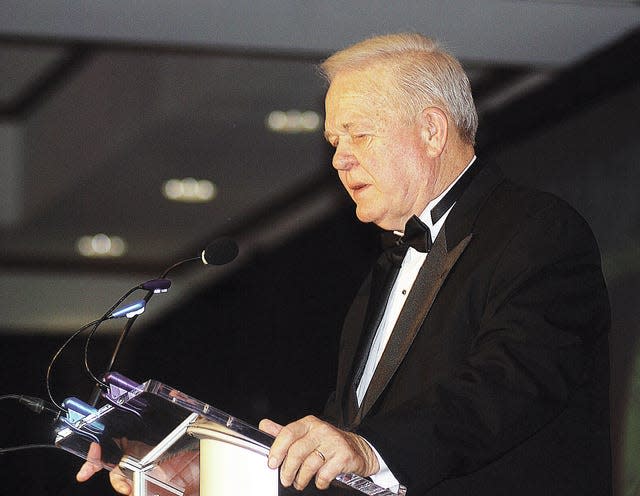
<point x="219" y="252"/>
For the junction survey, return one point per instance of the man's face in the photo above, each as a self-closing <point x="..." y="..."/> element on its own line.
<point x="380" y="156"/>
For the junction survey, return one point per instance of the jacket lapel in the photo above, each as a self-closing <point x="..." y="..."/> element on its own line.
<point x="380" y="283"/>
<point x="432" y="274"/>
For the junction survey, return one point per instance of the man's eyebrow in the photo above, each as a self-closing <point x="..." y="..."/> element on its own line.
<point x="344" y="126"/>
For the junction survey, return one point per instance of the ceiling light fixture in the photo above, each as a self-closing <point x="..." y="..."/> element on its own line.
<point x="189" y="190"/>
<point x="101" y="246"/>
<point x="293" y="121"/>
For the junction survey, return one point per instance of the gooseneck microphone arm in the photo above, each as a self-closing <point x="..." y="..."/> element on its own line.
<point x="125" y="331"/>
<point x="152" y="286"/>
<point x="128" y="311"/>
<point x="219" y="252"/>
<point x="95" y="395"/>
<point x="130" y="322"/>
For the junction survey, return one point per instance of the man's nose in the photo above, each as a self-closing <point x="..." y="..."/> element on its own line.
<point x="343" y="159"/>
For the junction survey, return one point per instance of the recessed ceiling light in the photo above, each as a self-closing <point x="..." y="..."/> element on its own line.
<point x="101" y="246"/>
<point x="293" y="121"/>
<point x="189" y="190"/>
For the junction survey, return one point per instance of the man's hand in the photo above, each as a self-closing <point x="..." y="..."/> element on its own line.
<point x="93" y="465"/>
<point x="310" y="447"/>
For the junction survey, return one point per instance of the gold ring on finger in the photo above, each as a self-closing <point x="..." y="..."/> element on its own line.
<point x="319" y="453"/>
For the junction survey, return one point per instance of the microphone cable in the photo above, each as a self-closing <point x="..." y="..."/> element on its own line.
<point x="23" y="447"/>
<point x="108" y="314"/>
<point x="36" y="405"/>
<point x="54" y="358"/>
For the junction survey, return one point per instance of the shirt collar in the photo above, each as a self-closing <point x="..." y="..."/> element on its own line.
<point x="425" y="216"/>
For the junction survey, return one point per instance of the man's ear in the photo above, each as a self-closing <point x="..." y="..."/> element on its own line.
<point x="435" y="130"/>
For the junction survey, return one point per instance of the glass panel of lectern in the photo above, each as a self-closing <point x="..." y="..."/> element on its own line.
<point x="170" y="444"/>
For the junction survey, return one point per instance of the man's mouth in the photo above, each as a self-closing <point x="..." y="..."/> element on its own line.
<point x="358" y="189"/>
<point x="358" y="186"/>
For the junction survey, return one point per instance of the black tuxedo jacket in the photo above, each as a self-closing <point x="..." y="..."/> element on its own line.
<point x="495" y="378"/>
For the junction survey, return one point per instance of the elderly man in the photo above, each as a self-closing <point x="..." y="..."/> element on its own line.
<point x="474" y="359"/>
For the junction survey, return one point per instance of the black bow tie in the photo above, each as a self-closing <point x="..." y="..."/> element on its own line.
<point x="416" y="235"/>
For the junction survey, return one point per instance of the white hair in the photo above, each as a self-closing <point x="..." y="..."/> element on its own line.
<point x="425" y="75"/>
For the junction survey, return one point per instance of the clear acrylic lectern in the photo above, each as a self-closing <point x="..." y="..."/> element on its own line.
<point x="170" y="444"/>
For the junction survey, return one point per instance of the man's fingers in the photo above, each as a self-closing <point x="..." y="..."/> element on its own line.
<point x="294" y="450"/>
<point x="310" y="466"/>
<point x="295" y="458"/>
<point x="310" y="447"/>
<point x="325" y="475"/>
<point x="273" y="428"/>
<point x="92" y="465"/>
<point x="270" y="427"/>
<point x="282" y="451"/>
<point x="86" y="471"/>
<point x="119" y="483"/>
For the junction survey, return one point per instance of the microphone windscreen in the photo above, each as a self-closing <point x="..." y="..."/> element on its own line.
<point x="220" y="252"/>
